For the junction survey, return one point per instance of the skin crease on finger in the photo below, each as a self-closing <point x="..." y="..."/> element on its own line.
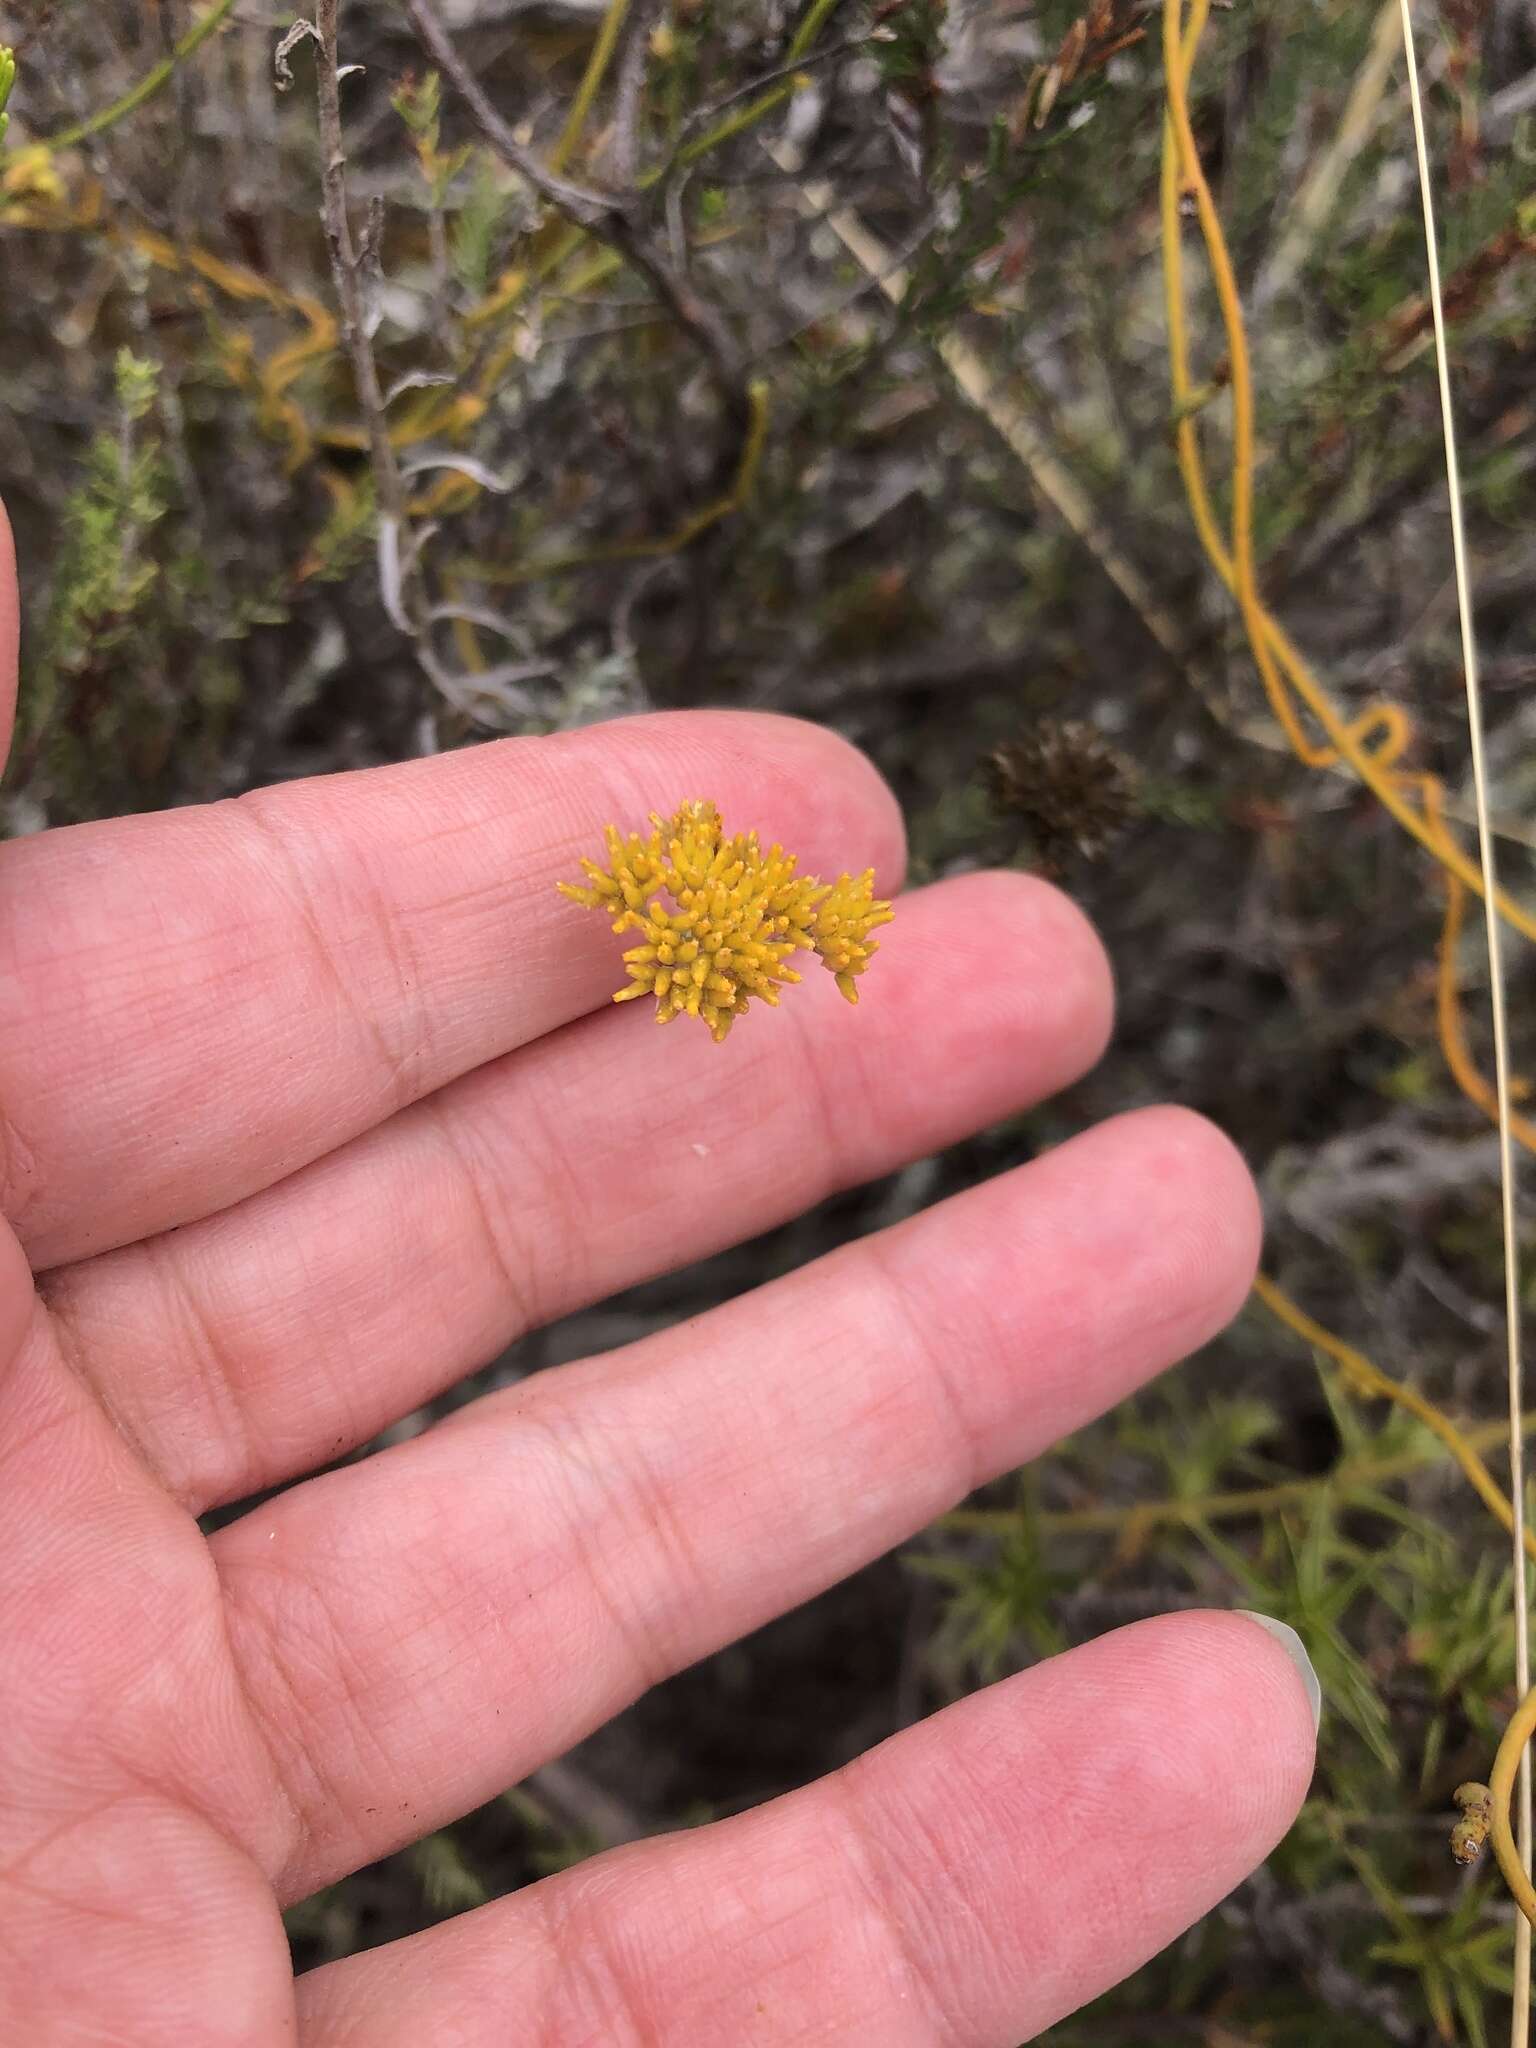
<point x="607" y="1523"/>
<point x="965" y="1884"/>
<point x="421" y="1250"/>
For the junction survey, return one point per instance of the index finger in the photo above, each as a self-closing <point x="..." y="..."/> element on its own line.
<point x="194" y="1005"/>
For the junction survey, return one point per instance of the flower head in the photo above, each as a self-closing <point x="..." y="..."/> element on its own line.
<point x="736" y="918"/>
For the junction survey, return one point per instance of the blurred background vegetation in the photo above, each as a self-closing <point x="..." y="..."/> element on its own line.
<point x="858" y="408"/>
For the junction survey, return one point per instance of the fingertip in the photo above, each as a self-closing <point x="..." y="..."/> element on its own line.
<point x="804" y="785"/>
<point x="1071" y="1821"/>
<point x="1060" y="946"/>
<point x="832" y="784"/>
<point x="1035" y="991"/>
<point x="1209" y="1190"/>
<point x="1295" y="1649"/>
<point x="1262" y="1686"/>
<point x="1239" y="1743"/>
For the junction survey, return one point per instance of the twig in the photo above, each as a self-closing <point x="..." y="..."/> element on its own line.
<point x="591" y="83"/>
<point x="1283" y="1928"/>
<point x="345" y="272"/>
<point x="786" y="75"/>
<point x="629" y="88"/>
<point x="579" y="1801"/>
<point x="816" y="17"/>
<point x="582" y="204"/>
<point x="611" y="219"/>
<point x="401" y="581"/>
<point x="647" y="548"/>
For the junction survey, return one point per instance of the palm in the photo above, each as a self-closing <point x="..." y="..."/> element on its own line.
<point x="311" y="1103"/>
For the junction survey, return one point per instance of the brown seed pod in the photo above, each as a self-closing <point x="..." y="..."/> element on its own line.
<point x="1073" y="791"/>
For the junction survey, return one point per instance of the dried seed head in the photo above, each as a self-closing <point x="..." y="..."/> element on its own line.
<point x="1472" y="1830"/>
<point x="1073" y="791"/>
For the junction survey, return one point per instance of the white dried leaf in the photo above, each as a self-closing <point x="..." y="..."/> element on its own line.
<point x="494" y="696"/>
<point x="392" y="574"/>
<point x="479" y="615"/>
<point x="301" y="32"/>
<point x="466" y="465"/>
<point x="416" y="380"/>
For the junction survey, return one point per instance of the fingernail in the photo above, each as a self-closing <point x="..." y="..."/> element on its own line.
<point x="1296" y="1650"/>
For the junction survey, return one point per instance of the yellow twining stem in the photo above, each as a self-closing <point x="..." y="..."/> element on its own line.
<point x="1453" y="1039"/>
<point x="1505" y="1766"/>
<point x="1367" y="1378"/>
<point x="1283" y="669"/>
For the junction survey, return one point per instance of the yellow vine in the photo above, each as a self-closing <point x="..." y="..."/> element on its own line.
<point x="1453" y="1040"/>
<point x="1506" y="1765"/>
<point x="1285" y="673"/>
<point x="1365" y="1378"/>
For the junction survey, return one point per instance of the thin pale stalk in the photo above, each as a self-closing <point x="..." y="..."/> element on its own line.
<point x="345" y="267"/>
<point x="1520" y="2015"/>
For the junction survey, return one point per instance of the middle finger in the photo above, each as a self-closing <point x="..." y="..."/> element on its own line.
<point x="267" y="1340"/>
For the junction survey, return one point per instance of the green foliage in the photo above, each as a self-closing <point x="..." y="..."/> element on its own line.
<point x="1458" y="1956"/>
<point x="553" y="1846"/>
<point x="7" y="80"/>
<point x="1459" y="1632"/>
<point x="913" y="43"/>
<point x="477" y="225"/>
<point x="448" y="1884"/>
<point x="135" y="648"/>
<point x="1412" y="1640"/>
<point x="105" y="577"/>
<point x="419" y="105"/>
<point x="1192" y="1447"/>
<point x="346" y="540"/>
<point x="998" y="1613"/>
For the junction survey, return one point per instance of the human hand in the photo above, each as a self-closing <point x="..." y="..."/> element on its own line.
<point x="309" y="1104"/>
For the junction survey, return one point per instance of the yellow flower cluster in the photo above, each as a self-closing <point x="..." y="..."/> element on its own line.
<point x="738" y="917"/>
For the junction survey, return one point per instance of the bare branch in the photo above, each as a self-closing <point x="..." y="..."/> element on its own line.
<point x="495" y="695"/>
<point x="624" y="143"/>
<point x="346" y="266"/>
<point x="579" y="203"/>
<point x="609" y="218"/>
